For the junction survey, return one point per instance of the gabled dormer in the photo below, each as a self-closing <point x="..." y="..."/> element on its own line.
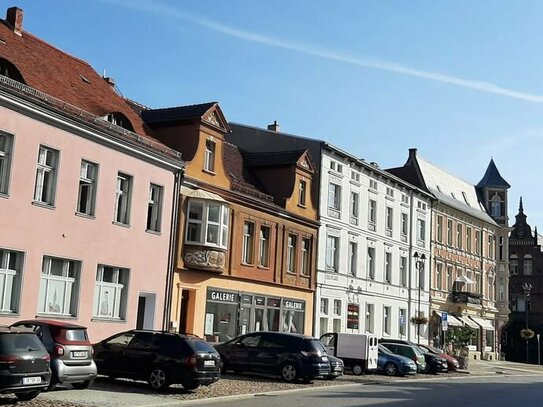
<point x="288" y="177"/>
<point x="197" y="131"/>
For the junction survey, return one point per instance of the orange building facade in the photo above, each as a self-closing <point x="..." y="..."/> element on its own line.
<point x="246" y="250"/>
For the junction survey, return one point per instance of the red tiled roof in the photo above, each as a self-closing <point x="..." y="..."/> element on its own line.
<point x="64" y="77"/>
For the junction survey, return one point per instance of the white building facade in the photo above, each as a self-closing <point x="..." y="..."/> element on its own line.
<point x="368" y="276"/>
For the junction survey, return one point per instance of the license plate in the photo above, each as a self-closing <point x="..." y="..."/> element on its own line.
<point x="31" y="380"/>
<point x="80" y="354"/>
<point x="209" y="363"/>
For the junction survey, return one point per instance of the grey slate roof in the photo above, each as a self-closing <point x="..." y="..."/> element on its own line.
<point x="174" y="114"/>
<point x="272" y="159"/>
<point x="492" y="178"/>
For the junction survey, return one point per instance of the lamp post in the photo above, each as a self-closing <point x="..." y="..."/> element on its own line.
<point x="419" y="265"/>
<point x="527" y="287"/>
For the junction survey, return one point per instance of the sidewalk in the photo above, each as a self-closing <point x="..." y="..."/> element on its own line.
<point x="485" y="367"/>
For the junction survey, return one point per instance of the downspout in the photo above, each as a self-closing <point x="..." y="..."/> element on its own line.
<point x="178" y="178"/>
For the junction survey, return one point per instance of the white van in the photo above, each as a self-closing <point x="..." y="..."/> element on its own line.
<point x="359" y="352"/>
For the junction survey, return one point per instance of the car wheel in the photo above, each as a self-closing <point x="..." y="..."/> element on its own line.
<point x="158" y="379"/>
<point x="358" y="369"/>
<point x="27" y="395"/>
<point x="289" y="372"/>
<point x="82" y="385"/>
<point x="391" y="369"/>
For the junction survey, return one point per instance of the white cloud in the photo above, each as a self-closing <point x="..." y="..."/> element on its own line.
<point x="309" y="49"/>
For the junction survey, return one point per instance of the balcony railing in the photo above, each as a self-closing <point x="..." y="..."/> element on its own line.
<point x="465" y="297"/>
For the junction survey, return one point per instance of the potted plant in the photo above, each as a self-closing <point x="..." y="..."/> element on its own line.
<point x="527" y="334"/>
<point x="419" y="320"/>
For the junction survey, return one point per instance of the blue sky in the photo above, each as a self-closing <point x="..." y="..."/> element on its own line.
<point x="462" y="81"/>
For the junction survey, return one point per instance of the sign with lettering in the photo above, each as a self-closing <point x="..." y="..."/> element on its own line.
<point x="293" y="304"/>
<point x="225" y="296"/>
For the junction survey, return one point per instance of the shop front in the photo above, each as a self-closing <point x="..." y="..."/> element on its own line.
<point x="230" y="313"/>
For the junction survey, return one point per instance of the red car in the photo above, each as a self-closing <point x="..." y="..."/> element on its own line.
<point x="452" y="363"/>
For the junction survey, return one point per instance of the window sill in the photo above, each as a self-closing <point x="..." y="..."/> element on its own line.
<point x="209" y="171"/>
<point x="303" y="206"/>
<point x="124" y="225"/>
<point x="4" y="195"/>
<point x="263" y="267"/>
<point x="44" y="205"/>
<point x="104" y="319"/>
<point x="247" y="264"/>
<point x="292" y="273"/>
<point x="85" y="215"/>
<point x="153" y="232"/>
<point x="56" y="316"/>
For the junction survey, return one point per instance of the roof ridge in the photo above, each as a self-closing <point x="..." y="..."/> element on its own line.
<point x="182" y="106"/>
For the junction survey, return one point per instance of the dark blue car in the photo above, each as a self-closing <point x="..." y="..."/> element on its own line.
<point x="392" y="364"/>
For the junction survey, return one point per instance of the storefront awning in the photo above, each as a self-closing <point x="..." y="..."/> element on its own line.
<point x="451" y="319"/>
<point x="483" y="323"/>
<point x="201" y="194"/>
<point x="469" y="322"/>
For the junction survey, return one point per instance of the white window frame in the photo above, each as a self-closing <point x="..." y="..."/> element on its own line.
<point x="203" y="226"/>
<point x="6" y="150"/>
<point x="403" y="271"/>
<point x="11" y="263"/>
<point x="247" y="249"/>
<point x="332" y="253"/>
<point x="114" y="306"/>
<point x="421" y="230"/>
<point x="389" y="218"/>
<point x="369" y="320"/>
<point x="388" y="267"/>
<point x="337" y="307"/>
<point x="324" y="306"/>
<point x="209" y="159"/>
<point x="306" y="256"/>
<point x="46" y="176"/>
<point x="264" y="246"/>
<point x="355" y="204"/>
<point x="50" y="284"/>
<point x="292" y="246"/>
<point x="401" y="327"/>
<point x="353" y="257"/>
<point x="372" y="212"/>
<point x="334" y="196"/>
<point x="154" y="208"/>
<point x="371" y="263"/>
<point x="405" y="224"/>
<point x="86" y="199"/>
<point x="123" y="198"/>
<point x="387" y="320"/>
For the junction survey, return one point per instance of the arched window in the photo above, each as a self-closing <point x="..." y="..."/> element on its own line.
<point x="120" y="120"/>
<point x="513" y="265"/>
<point x="496" y="205"/>
<point x="9" y="70"/>
<point x="527" y="265"/>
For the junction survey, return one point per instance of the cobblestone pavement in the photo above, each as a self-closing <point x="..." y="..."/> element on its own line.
<point x="115" y="393"/>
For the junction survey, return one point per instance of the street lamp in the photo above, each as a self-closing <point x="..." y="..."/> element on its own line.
<point x="527" y="287"/>
<point x="419" y="264"/>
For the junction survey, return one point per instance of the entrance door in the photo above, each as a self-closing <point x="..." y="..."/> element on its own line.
<point x="145" y="317"/>
<point x="185" y="296"/>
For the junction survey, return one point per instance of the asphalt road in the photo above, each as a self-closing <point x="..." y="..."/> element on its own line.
<point x="526" y="391"/>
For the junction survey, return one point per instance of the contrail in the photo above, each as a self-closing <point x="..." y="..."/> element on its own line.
<point x="308" y="49"/>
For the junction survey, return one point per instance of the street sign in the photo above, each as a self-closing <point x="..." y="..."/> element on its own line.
<point x="444" y="325"/>
<point x="444" y="317"/>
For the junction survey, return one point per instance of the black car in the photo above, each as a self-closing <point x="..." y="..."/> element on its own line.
<point x="162" y="358"/>
<point x="290" y="356"/>
<point x="336" y="368"/>
<point x="24" y="364"/>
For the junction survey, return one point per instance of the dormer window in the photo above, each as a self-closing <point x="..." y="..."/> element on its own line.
<point x="119" y="119"/>
<point x="496" y="205"/>
<point x="9" y="70"/>
<point x="209" y="159"/>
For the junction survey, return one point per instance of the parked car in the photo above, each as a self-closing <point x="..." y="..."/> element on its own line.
<point x="392" y="364"/>
<point x="434" y="363"/>
<point x="162" y="358"/>
<point x="69" y="348"/>
<point x="337" y="368"/>
<point x="410" y="351"/>
<point x="452" y="362"/>
<point x="290" y="356"/>
<point x="24" y="364"/>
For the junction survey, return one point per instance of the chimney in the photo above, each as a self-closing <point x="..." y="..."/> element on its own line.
<point x="274" y="126"/>
<point x="14" y="17"/>
<point x="110" y="81"/>
<point x="412" y="152"/>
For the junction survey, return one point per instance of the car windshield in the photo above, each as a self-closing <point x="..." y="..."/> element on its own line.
<point x="76" y="334"/>
<point x="202" y="346"/>
<point x="317" y="344"/>
<point x="14" y="343"/>
<point x="385" y="350"/>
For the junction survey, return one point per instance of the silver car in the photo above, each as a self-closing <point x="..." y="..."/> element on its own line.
<point x="70" y="350"/>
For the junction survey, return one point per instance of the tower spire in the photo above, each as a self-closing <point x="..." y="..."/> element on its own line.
<point x="520" y="207"/>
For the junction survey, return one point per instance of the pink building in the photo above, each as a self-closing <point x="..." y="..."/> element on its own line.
<point x="87" y="208"/>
